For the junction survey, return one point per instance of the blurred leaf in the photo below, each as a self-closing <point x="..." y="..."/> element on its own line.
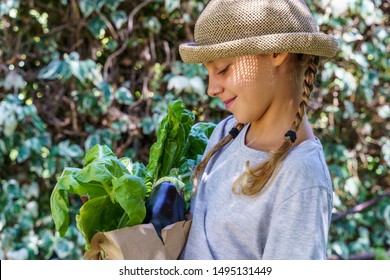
<point x="55" y="70"/>
<point x="178" y="84"/>
<point x="171" y="5"/>
<point x="96" y="25"/>
<point x="87" y="7"/>
<point x="340" y="249"/>
<point x="20" y="254"/>
<point x="124" y="96"/>
<point x="13" y="80"/>
<point x="113" y="4"/>
<point x="119" y="18"/>
<point x="147" y="126"/>
<point x="386" y="216"/>
<point x="153" y="24"/>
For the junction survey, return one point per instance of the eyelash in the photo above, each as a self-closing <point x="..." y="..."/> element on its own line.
<point x="224" y="70"/>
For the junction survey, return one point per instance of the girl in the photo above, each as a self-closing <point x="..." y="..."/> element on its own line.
<point x="263" y="190"/>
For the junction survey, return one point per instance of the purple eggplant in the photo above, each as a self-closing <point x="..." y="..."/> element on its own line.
<point x="165" y="206"/>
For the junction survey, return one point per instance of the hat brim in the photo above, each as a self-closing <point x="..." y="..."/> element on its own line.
<point x="319" y="44"/>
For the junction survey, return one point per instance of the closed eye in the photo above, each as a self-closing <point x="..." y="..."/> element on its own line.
<point x="224" y="70"/>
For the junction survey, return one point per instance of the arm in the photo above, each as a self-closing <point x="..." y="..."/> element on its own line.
<point x="299" y="226"/>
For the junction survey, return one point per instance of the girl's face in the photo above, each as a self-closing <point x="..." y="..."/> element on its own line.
<point x="246" y="85"/>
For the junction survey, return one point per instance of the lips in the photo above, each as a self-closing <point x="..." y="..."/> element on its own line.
<point x="229" y="102"/>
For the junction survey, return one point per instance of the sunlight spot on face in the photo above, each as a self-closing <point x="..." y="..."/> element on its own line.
<point x="250" y="70"/>
<point x="245" y="70"/>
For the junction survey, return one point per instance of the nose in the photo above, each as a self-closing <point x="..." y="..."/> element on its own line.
<point x="214" y="89"/>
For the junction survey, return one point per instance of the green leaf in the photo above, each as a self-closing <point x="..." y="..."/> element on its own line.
<point x="171" y="5"/>
<point x="147" y="125"/>
<point x="153" y="24"/>
<point x="68" y="150"/>
<point x="171" y="142"/>
<point x="96" y="25"/>
<point x="124" y="96"/>
<point x="198" y="138"/>
<point x="98" y="215"/>
<point x="340" y="249"/>
<point x="87" y="7"/>
<point x="13" y="80"/>
<point x="24" y="153"/>
<point x="130" y="192"/>
<point x="118" y="18"/>
<point x="135" y="168"/>
<point x="107" y="95"/>
<point x="113" y="4"/>
<point x="98" y="174"/>
<point x="98" y="152"/>
<point x="59" y="202"/>
<point x="55" y="70"/>
<point x="92" y="140"/>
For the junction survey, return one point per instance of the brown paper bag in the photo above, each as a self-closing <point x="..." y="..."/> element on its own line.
<point x="140" y="242"/>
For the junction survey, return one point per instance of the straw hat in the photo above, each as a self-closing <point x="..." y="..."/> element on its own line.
<point x="229" y="28"/>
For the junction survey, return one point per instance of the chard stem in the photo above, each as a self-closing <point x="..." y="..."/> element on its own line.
<point x="123" y="221"/>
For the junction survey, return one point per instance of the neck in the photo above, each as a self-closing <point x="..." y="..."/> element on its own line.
<point x="267" y="133"/>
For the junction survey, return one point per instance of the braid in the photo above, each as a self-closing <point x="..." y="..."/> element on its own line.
<point x="308" y="84"/>
<point x="202" y="165"/>
<point x="254" y="179"/>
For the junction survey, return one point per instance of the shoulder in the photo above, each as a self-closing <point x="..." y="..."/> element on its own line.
<point x="305" y="167"/>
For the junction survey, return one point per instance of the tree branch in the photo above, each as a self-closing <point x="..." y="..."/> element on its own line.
<point x="362" y="256"/>
<point x="360" y="207"/>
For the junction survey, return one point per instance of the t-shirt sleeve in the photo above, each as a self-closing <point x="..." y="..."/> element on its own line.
<point x="299" y="226"/>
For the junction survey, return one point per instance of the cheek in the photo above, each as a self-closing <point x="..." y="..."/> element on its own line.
<point x="250" y="74"/>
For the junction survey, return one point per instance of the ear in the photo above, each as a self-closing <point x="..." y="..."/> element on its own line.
<point x="278" y="59"/>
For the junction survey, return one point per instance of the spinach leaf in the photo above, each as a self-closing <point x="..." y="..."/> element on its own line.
<point x="171" y="142"/>
<point x="135" y="168"/>
<point x="198" y="138"/>
<point x="98" y="215"/>
<point x="98" y="174"/>
<point x="98" y="152"/>
<point x="130" y="193"/>
<point x="59" y="201"/>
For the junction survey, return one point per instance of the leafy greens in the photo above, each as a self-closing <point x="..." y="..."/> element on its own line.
<point x="117" y="188"/>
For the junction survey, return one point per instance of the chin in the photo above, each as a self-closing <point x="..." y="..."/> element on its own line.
<point x="241" y="119"/>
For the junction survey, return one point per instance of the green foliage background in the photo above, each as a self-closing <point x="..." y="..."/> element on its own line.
<point x="76" y="73"/>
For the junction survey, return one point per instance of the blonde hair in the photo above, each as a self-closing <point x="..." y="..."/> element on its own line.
<point x="254" y="179"/>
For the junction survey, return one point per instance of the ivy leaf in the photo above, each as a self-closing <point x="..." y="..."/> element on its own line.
<point x="55" y="70"/>
<point x="87" y="7"/>
<point x="153" y="24"/>
<point x="96" y="25"/>
<point x="124" y="96"/>
<point x="171" y="5"/>
<point x="24" y="153"/>
<point x="13" y="80"/>
<point x="118" y="18"/>
<point x="113" y="4"/>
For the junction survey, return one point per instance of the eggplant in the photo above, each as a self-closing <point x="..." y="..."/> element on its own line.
<point x="164" y="206"/>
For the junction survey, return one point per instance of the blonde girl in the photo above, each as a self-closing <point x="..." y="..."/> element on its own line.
<point x="263" y="190"/>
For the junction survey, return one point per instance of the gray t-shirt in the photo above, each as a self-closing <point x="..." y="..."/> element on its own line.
<point x="289" y="220"/>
